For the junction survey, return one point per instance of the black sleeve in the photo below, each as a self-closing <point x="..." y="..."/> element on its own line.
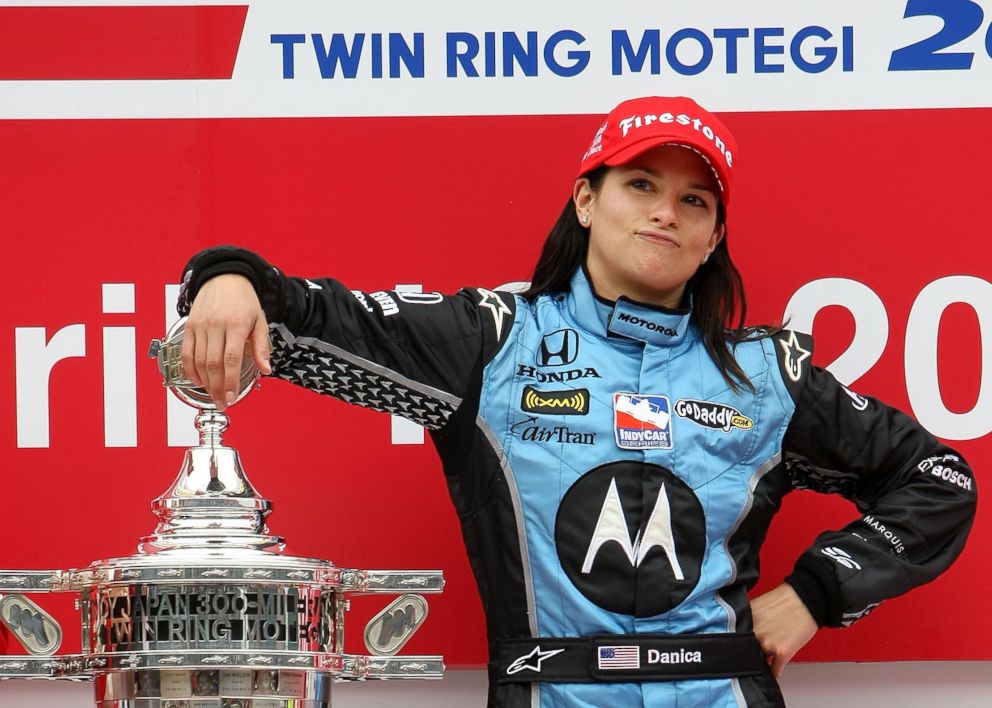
<point x="412" y="354"/>
<point x="917" y="496"/>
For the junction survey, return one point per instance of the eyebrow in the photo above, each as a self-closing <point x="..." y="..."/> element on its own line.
<point x="654" y="173"/>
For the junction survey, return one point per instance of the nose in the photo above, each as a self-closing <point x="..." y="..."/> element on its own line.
<point x="664" y="211"/>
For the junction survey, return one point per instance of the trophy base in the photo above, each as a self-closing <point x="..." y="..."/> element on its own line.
<point x="213" y="688"/>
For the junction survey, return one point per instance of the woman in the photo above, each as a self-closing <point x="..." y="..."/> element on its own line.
<point x="615" y="441"/>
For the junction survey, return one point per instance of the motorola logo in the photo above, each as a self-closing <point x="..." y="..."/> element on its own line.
<point x="631" y="538"/>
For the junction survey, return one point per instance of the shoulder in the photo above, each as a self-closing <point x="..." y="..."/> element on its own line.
<point x="793" y="351"/>
<point x="777" y="349"/>
<point x="495" y="312"/>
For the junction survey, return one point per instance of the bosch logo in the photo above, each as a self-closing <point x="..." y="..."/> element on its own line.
<point x="943" y="467"/>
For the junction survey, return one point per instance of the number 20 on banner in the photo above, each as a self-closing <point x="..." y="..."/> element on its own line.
<point x="871" y="334"/>
<point x="962" y="19"/>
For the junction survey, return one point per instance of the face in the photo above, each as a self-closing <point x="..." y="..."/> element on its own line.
<point x="651" y="223"/>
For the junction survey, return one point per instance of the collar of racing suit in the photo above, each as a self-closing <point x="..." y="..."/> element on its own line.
<point x="626" y="318"/>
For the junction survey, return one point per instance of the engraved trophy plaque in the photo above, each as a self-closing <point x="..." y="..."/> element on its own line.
<point x="211" y="613"/>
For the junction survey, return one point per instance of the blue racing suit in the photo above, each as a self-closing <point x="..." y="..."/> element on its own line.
<point x="613" y="490"/>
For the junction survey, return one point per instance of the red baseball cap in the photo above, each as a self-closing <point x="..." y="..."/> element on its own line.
<point x="637" y="125"/>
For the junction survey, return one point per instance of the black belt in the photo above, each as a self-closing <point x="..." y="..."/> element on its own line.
<point x="629" y="657"/>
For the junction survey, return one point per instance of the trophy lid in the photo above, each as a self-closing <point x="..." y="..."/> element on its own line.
<point x="211" y="504"/>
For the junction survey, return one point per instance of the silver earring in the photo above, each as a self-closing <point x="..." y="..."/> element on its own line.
<point x="585" y="219"/>
<point x="706" y="257"/>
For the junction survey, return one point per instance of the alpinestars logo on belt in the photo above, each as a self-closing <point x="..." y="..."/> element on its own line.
<point x="532" y="661"/>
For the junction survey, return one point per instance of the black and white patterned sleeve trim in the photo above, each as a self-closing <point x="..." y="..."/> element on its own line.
<point x="327" y="369"/>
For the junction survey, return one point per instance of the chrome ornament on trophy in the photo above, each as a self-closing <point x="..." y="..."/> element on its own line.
<point x="210" y="613"/>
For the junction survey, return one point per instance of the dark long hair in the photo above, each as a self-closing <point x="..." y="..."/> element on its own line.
<point x="719" y="306"/>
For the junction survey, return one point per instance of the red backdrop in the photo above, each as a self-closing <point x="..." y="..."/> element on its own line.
<point x="893" y="199"/>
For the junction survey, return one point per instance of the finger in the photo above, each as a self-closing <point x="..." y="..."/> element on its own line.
<point x="260" y="345"/>
<point x="234" y="352"/>
<point x="200" y="359"/>
<point x="778" y="664"/>
<point x="188" y="350"/>
<point x="215" y="366"/>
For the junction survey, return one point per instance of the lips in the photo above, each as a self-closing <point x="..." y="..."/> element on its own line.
<point x="658" y="237"/>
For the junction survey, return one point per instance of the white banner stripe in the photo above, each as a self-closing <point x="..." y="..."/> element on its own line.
<point x="758" y="56"/>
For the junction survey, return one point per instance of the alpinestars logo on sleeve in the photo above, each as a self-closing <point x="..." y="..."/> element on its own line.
<point x="793" y="356"/>
<point x="497" y="307"/>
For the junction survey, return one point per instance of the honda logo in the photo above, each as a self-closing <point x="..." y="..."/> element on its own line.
<point x="558" y="348"/>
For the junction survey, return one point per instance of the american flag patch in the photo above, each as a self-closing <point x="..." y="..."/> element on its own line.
<point x="619" y="658"/>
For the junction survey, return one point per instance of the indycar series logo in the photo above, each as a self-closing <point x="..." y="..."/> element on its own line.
<point x="571" y="402"/>
<point x="642" y="421"/>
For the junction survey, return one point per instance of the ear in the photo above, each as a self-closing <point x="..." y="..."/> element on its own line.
<point x="582" y="196"/>
<point x="717" y="236"/>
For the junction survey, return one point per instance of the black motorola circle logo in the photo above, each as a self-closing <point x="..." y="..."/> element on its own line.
<point x="631" y="537"/>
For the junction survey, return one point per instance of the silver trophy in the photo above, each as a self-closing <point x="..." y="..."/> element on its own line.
<point x="210" y="613"/>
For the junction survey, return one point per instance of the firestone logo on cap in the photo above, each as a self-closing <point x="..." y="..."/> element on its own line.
<point x="681" y="119"/>
<point x="640" y="124"/>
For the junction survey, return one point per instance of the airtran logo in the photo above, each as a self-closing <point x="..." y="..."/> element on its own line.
<point x="572" y="402"/>
<point x="559" y="435"/>
<point x="712" y="415"/>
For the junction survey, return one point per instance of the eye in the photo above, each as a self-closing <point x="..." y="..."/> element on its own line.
<point x="695" y="200"/>
<point x="640" y="184"/>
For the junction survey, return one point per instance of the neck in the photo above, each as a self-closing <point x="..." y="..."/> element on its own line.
<point x="612" y="290"/>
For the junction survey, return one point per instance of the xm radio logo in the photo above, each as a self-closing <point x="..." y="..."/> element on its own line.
<point x="631" y="537"/>
<point x="569" y="402"/>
